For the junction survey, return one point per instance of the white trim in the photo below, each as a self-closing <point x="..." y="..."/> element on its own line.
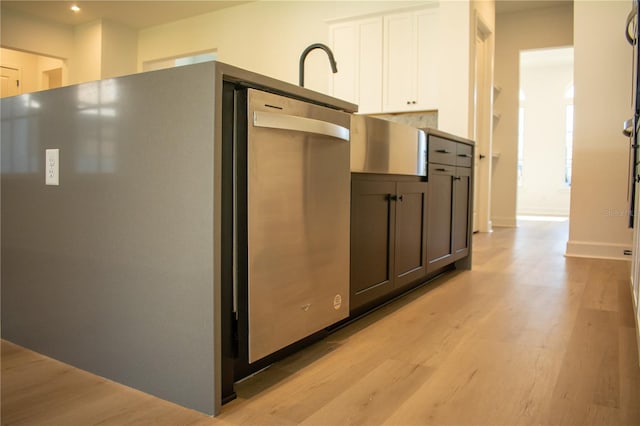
<point x="504" y="222"/>
<point x="597" y="250"/>
<point x="543" y="211"/>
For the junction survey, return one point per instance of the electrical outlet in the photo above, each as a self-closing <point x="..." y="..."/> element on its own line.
<point x="51" y="168"/>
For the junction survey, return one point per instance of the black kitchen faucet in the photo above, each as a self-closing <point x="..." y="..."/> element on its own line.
<point x="306" y="51"/>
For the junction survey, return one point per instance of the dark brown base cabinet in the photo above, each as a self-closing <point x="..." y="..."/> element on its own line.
<point x="406" y="230"/>
<point x="449" y="211"/>
<point x="388" y="235"/>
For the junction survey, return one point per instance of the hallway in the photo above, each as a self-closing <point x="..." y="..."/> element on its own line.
<point x="527" y="337"/>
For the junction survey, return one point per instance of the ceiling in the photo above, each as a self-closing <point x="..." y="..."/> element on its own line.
<point x="134" y="14"/>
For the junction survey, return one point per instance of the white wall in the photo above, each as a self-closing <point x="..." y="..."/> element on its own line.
<point x="268" y="37"/>
<point x="119" y="50"/>
<point x="99" y="49"/>
<point x="86" y="62"/>
<point x="530" y="29"/>
<point x="454" y="71"/>
<point x="599" y="209"/>
<point x="264" y="36"/>
<point x="22" y="32"/>
<point x="545" y="77"/>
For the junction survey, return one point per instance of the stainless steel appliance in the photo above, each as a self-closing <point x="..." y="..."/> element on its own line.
<point x="382" y="146"/>
<point x="298" y="197"/>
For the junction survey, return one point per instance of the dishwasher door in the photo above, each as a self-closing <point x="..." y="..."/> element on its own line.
<point x="298" y="207"/>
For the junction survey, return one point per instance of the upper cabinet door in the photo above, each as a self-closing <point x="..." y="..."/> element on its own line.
<point x="357" y="46"/>
<point x="410" y="63"/>
<point x="399" y="62"/>
<point x="388" y="63"/>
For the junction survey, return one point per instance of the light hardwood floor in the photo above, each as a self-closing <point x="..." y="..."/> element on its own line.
<point x="527" y="337"/>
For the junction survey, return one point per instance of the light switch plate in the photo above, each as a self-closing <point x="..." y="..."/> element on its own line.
<point x="51" y="167"/>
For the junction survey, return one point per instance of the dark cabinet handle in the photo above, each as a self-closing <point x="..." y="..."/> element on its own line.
<point x="441" y="170"/>
<point x="482" y="156"/>
<point x="443" y="151"/>
<point x="392" y="197"/>
<point x="464" y="155"/>
<point x="457" y="178"/>
<point x="401" y="198"/>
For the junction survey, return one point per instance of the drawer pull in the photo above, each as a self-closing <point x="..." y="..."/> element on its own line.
<point x="443" y="151"/>
<point x="441" y="170"/>
<point x="464" y="155"/>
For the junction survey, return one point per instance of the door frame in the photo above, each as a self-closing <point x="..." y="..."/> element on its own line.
<point x="482" y="121"/>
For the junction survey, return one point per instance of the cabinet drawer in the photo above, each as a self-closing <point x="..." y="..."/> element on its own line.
<point x="464" y="155"/>
<point x="441" y="169"/>
<point x="441" y="151"/>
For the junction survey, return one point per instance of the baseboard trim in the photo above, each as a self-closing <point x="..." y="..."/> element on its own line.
<point x="543" y="212"/>
<point x="595" y="250"/>
<point x="504" y="222"/>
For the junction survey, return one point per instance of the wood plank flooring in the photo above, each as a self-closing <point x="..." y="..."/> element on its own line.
<point x="528" y="337"/>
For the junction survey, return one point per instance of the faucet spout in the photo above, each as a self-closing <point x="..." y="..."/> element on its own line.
<point x="303" y="57"/>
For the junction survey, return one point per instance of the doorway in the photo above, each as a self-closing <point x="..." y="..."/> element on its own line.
<point x="9" y="81"/>
<point x="24" y="72"/>
<point x="545" y="132"/>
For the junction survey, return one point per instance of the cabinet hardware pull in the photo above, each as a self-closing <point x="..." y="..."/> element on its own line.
<point x="443" y="151"/>
<point x="457" y="178"/>
<point x="464" y="155"/>
<point x="392" y="197"/>
<point x="408" y="102"/>
<point x="401" y="198"/>
<point x="441" y="170"/>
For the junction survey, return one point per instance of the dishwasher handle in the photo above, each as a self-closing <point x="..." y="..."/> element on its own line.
<point x="273" y="120"/>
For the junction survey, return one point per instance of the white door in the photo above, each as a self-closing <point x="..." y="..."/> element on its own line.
<point x="10" y="82"/>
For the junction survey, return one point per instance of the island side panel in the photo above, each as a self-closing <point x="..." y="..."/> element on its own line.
<point x="112" y="271"/>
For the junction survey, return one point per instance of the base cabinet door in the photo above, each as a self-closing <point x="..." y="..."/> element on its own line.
<point x="461" y="210"/>
<point x="411" y="235"/>
<point x="440" y="216"/>
<point x="372" y="235"/>
<point x="388" y="236"/>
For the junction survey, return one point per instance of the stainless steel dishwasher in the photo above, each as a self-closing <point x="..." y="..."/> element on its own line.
<point x="298" y="198"/>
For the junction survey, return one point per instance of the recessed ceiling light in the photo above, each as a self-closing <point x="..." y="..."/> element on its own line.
<point x="75" y="8"/>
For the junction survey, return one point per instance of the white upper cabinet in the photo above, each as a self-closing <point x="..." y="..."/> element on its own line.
<point x="410" y="80"/>
<point x="357" y="46"/>
<point x="387" y="63"/>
